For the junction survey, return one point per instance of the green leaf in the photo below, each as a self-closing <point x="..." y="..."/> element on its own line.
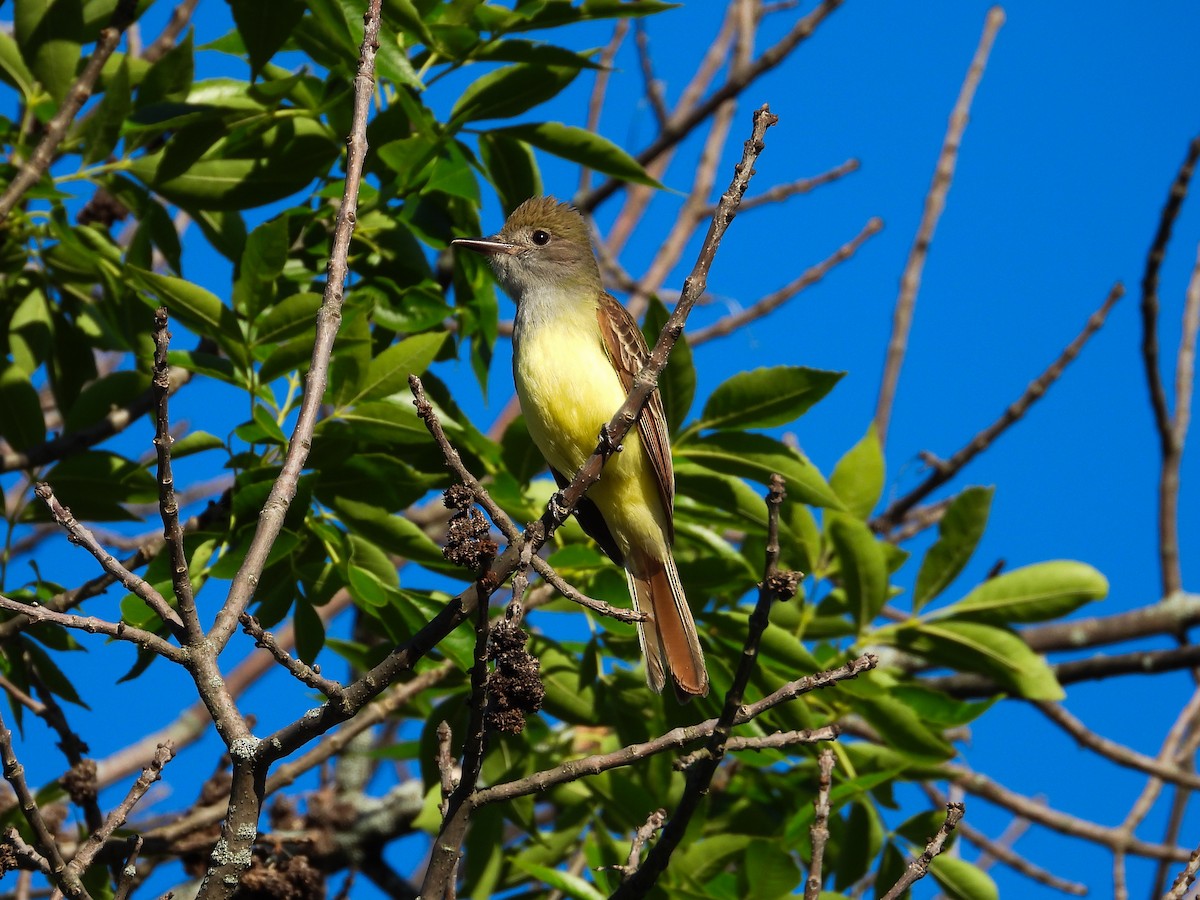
<point x="764" y="398"/>
<point x="510" y="91"/>
<point x="569" y="885"/>
<point x="858" y="476"/>
<point x="190" y="304"/>
<point x="757" y="456"/>
<point x="290" y="317"/>
<point x="50" y="34"/>
<point x="584" y="147"/>
<point x="13" y="69"/>
<point x="21" y="420"/>
<point x="388" y="372"/>
<point x="511" y="168"/>
<point x="104" y="128"/>
<point x="452" y="174"/>
<point x="261" y="263"/>
<point x="986" y="649"/>
<point x="195" y="442"/>
<point x="309" y="631"/>
<point x="677" y="384"/>
<point x="1034" y="593"/>
<point x="962" y="880"/>
<point x="959" y="532"/>
<point x="265" y="27"/>
<point x="863" y="567"/>
<point x="769" y="871"/>
<point x="98" y="399"/>
<point x="241" y="171"/>
<point x="169" y="79"/>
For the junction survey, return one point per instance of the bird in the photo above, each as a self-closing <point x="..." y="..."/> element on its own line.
<point x="576" y="352"/>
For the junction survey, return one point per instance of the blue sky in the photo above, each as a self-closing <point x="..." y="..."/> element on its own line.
<point x="1076" y="131"/>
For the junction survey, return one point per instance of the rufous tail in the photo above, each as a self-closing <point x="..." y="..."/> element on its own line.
<point x="668" y="636"/>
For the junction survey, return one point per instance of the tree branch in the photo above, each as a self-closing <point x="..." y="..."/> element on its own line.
<point x="935" y="202"/>
<point x="819" y="830"/>
<point x="984" y="439"/>
<point x="918" y="867"/>
<point x="119" y="630"/>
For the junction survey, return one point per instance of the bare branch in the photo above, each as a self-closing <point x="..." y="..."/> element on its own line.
<point x="776" y="299"/>
<point x="783" y="192"/>
<point x="92" y="625"/>
<point x="1113" y="838"/>
<point x="600" y="90"/>
<point x="1111" y="750"/>
<point x="646" y="831"/>
<point x="329" y="317"/>
<point x="168" y="505"/>
<point x="301" y="671"/>
<point x="681" y="125"/>
<point x="918" y="867"/>
<point x="776" y="741"/>
<point x="88" y="850"/>
<point x="180" y="16"/>
<point x="819" y="830"/>
<point x="935" y="202"/>
<point x="56" y="129"/>
<point x="1186" y="877"/>
<point x="14" y="774"/>
<point x="984" y="439"/>
<point x="79" y="534"/>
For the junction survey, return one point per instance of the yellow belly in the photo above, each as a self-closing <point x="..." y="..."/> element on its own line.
<point x="568" y="389"/>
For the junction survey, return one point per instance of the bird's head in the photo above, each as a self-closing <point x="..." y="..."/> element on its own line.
<point x="544" y="245"/>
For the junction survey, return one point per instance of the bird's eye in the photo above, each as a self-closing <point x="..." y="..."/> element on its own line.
<point x="541" y="238"/>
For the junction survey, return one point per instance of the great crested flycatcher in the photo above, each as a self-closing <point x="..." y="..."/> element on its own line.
<point x="576" y="351"/>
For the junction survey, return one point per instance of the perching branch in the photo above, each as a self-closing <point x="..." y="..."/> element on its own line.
<point x="935" y="202"/>
<point x="119" y="630"/>
<point x="299" y="670"/>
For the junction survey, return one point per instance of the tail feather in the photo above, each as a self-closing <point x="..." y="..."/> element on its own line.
<point x="668" y="637"/>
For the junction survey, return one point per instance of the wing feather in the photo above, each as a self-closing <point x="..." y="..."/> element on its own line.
<point x="628" y="352"/>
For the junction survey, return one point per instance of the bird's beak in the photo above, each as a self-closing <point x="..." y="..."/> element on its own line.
<point x="486" y="246"/>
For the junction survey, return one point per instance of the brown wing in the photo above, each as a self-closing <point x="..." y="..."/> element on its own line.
<point x="628" y="351"/>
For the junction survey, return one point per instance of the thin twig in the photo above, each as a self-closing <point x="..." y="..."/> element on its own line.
<point x="79" y="534"/>
<point x="1113" y="838"/>
<point x="776" y="299"/>
<point x="919" y="866"/>
<point x="14" y="774"/>
<point x="935" y="202"/>
<point x="446" y="765"/>
<point x="56" y="129"/>
<point x="640" y="837"/>
<point x="1186" y="877"/>
<point x="984" y="439"/>
<point x="776" y="741"/>
<point x="1118" y="753"/>
<point x="671" y="740"/>
<point x="166" y="39"/>
<point x="783" y="192"/>
<point x="1001" y="851"/>
<point x="652" y="86"/>
<point x="819" y="830"/>
<point x="24" y="853"/>
<point x="88" y="850"/>
<point x="681" y="125"/>
<point x="440" y="875"/>
<point x="92" y="625"/>
<point x="128" y="875"/>
<point x="298" y="669"/>
<point x="774" y="586"/>
<point x="600" y="90"/>
<point x="168" y="504"/>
